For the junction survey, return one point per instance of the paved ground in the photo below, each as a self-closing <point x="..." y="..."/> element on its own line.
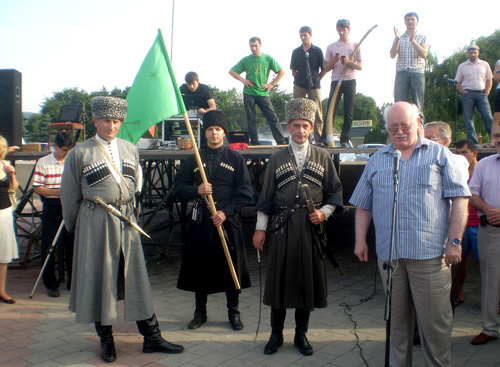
<point x="41" y="331"/>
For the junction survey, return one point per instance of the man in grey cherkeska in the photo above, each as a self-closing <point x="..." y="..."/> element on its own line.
<point x="108" y="258"/>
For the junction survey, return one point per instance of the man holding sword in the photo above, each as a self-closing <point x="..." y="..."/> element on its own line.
<point x="108" y="261"/>
<point x="296" y="276"/>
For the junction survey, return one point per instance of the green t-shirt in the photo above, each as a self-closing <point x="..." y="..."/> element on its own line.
<point x="257" y="69"/>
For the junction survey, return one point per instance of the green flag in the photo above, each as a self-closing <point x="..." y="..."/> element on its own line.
<point x="153" y="96"/>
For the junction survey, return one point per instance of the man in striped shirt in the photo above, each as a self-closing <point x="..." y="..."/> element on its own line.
<point x="427" y="232"/>
<point x="46" y="183"/>
<point x="411" y="48"/>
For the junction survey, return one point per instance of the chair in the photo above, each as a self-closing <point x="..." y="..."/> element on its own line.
<point x="71" y="118"/>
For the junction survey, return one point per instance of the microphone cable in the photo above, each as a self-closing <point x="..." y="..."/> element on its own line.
<point x="349" y="307"/>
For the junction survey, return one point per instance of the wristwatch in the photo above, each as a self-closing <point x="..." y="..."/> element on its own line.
<point x="455" y="241"/>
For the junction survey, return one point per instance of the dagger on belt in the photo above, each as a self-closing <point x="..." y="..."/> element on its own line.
<point x="323" y="247"/>
<point x="115" y="212"/>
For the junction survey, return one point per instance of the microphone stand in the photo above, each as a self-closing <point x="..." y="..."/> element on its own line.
<point x="388" y="266"/>
<point x="454" y="82"/>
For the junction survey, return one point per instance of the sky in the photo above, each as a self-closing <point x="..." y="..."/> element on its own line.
<point x="91" y="44"/>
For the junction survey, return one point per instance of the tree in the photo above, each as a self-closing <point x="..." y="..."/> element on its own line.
<point x="35" y="128"/>
<point x="231" y="103"/>
<point x="36" y="125"/>
<point x="365" y="108"/>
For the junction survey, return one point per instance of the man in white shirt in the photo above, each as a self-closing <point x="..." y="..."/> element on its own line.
<point x="474" y="79"/>
<point x="47" y="184"/>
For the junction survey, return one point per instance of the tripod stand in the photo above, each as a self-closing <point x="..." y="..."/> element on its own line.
<point x="52" y="248"/>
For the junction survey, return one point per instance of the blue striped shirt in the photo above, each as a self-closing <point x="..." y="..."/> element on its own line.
<point x="426" y="182"/>
<point x="485" y="181"/>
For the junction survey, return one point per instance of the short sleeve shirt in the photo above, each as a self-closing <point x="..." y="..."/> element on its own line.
<point x="257" y="69"/>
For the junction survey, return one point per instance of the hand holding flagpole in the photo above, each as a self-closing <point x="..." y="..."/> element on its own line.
<point x="210" y="199"/>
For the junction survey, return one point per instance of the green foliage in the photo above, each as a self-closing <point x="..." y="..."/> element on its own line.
<point x="279" y="99"/>
<point x="365" y="108"/>
<point x="231" y="103"/>
<point x="35" y="128"/>
<point x="376" y="135"/>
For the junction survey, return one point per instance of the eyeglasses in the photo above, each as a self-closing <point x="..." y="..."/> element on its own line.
<point x="405" y="128"/>
<point x="434" y="139"/>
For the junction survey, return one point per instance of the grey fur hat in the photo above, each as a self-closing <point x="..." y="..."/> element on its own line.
<point x="300" y="109"/>
<point x="109" y="108"/>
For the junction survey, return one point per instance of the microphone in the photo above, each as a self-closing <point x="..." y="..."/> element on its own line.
<point x="396" y="157"/>
<point x="447" y="79"/>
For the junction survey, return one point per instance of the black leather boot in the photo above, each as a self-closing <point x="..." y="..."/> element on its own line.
<point x="301" y="327"/>
<point x="276" y="339"/>
<point x="105" y="333"/>
<point x="233" y="314"/>
<point x="200" y="312"/>
<point x="153" y="341"/>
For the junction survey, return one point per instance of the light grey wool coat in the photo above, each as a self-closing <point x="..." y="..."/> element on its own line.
<point x="101" y="238"/>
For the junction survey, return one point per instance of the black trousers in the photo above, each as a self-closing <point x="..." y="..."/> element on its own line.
<point x="348" y="90"/>
<point x="63" y="252"/>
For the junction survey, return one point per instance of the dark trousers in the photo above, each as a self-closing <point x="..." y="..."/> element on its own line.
<point x="348" y="90"/>
<point x="267" y="109"/>
<point x="232" y="298"/>
<point x="278" y="316"/>
<point x="63" y="252"/>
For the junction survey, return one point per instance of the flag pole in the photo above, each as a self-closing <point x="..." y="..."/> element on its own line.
<point x="213" y="211"/>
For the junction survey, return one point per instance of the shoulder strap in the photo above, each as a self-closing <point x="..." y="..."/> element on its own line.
<point x="113" y="164"/>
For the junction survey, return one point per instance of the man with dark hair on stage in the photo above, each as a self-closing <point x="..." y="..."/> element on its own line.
<point x="196" y="95"/>
<point x="257" y="67"/>
<point x="307" y="64"/>
<point x="411" y="49"/>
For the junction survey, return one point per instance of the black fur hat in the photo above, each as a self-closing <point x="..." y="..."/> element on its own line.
<point x="215" y="118"/>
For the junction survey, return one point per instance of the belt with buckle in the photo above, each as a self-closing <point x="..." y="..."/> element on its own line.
<point x="476" y="91"/>
<point x="484" y="222"/>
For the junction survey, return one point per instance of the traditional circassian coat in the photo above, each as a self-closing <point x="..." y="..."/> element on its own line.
<point x="101" y="238"/>
<point x="296" y="272"/>
<point x="204" y="266"/>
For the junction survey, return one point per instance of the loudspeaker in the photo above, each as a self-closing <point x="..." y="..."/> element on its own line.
<point x="72" y="112"/>
<point x="11" y="115"/>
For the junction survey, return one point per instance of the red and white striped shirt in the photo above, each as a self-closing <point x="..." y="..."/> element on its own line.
<point x="48" y="173"/>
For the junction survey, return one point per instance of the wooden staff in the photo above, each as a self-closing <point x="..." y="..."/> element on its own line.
<point x="329" y="115"/>
<point x="213" y="211"/>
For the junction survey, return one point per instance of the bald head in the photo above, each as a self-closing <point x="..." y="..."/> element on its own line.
<point x="401" y="121"/>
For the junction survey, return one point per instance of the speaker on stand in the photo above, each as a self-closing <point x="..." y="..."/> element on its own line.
<point x="11" y="115"/>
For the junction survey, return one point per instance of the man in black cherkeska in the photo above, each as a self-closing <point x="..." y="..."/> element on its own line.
<point x="204" y="269"/>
